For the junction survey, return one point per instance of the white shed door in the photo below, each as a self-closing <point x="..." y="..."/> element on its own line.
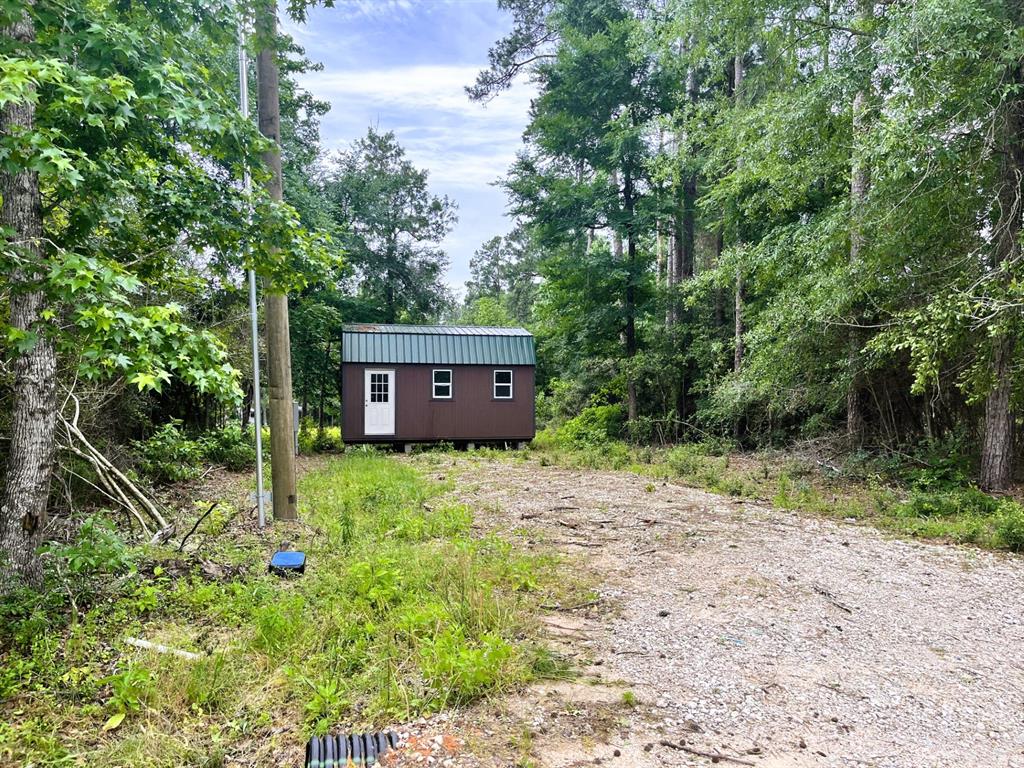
<point x="379" y="393"/>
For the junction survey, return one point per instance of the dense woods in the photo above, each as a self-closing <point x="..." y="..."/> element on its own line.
<point x="775" y="221"/>
<point x="764" y="222"/>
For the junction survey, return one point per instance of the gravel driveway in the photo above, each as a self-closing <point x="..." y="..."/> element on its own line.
<point x="756" y="635"/>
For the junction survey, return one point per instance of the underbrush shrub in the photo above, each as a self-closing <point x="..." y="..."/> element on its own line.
<point x="306" y="435"/>
<point x="97" y="548"/>
<point x="328" y="440"/>
<point x="1010" y="525"/>
<point x="406" y="611"/>
<point x="595" y="425"/>
<point x="948" y="504"/>
<point x="168" y="455"/>
<point x="644" y="430"/>
<point x="937" y="464"/>
<point x="313" y="439"/>
<point x="684" y="460"/>
<point x="230" y="447"/>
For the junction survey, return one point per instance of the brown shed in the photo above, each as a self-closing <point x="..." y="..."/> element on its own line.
<point x="425" y="383"/>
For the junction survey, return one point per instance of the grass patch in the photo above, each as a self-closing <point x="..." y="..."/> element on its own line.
<point x="402" y="612"/>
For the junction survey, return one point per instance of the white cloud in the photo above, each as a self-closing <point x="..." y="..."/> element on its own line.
<point x="420" y="87"/>
<point x="462" y="143"/>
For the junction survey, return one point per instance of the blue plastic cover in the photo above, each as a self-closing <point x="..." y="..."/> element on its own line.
<point x="290" y="560"/>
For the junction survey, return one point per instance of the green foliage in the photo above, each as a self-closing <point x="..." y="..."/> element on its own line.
<point x="459" y="670"/>
<point x="949" y="503"/>
<point x="488" y="311"/>
<point x="325" y="702"/>
<point x="594" y="425"/>
<point x="1010" y="526"/>
<point x="168" y="456"/>
<point x="229" y="446"/>
<point x="312" y="439"/>
<point x="140" y="148"/>
<point x="97" y="549"/>
<point x="501" y="290"/>
<point x="662" y="189"/>
<point x="130" y="689"/>
<point x="393" y="228"/>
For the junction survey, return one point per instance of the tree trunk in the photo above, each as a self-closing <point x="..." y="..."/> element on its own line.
<point x="323" y="387"/>
<point x="664" y="278"/>
<point x="279" y="357"/>
<point x="719" y="308"/>
<point x="664" y="265"/>
<point x="998" y="443"/>
<point x="630" y="294"/>
<point x="737" y="355"/>
<point x="33" y="420"/>
<point x="247" y="404"/>
<point x="390" y="312"/>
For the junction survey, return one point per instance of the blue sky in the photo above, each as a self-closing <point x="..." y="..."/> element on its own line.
<point x="401" y="65"/>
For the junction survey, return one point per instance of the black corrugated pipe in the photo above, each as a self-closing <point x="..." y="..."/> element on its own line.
<point x="357" y="749"/>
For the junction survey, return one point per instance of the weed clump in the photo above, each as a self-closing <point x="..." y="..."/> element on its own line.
<point x="1010" y="526"/>
<point x="169" y="455"/>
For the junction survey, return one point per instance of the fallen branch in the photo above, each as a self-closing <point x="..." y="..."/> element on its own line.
<point x="113" y="491"/>
<point x="567" y="608"/>
<point x="110" y="476"/>
<point x="194" y="527"/>
<point x="831" y="598"/>
<point x="713" y="756"/>
<point x="164" y="534"/>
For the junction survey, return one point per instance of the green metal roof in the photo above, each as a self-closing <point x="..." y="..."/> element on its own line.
<point x="437" y="345"/>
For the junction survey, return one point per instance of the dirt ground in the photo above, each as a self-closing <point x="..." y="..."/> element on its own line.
<point x="729" y="632"/>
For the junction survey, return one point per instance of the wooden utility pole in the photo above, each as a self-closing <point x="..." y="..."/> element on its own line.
<point x="279" y="355"/>
<point x="33" y="418"/>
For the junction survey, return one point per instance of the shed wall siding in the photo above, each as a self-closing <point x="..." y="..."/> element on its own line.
<point x="471" y="414"/>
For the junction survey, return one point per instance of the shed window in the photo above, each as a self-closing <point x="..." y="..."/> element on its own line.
<point x="442" y="383"/>
<point x="379" y="387"/>
<point x="503" y="385"/>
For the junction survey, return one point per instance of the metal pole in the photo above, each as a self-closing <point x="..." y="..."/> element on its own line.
<point x="243" y="104"/>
